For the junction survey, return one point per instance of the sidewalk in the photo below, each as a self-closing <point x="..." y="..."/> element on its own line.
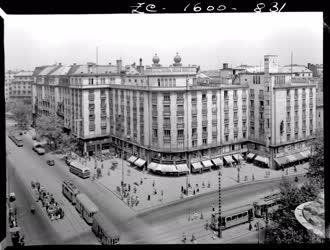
<point x="146" y="183"/>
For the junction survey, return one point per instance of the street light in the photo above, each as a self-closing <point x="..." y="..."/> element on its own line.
<point x="219" y="219"/>
<point x="238" y="170"/>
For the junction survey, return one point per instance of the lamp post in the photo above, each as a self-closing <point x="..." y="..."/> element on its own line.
<point x="238" y="170"/>
<point x="219" y="219"/>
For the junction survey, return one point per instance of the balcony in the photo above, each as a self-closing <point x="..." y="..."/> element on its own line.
<point x="180" y="125"/>
<point x="244" y="117"/>
<point x="244" y="128"/>
<point x="244" y="107"/>
<point x="194" y="112"/>
<point x="194" y="136"/>
<point x="226" y="120"/>
<point x="226" y="97"/>
<point x="154" y="101"/>
<point x="226" y="108"/>
<point x="103" y="114"/>
<point x="214" y="134"/>
<point x="310" y="115"/>
<point x="311" y="104"/>
<point x="251" y="107"/>
<point x="214" y="121"/>
<point x="154" y="113"/>
<point x="244" y="97"/>
<point x="180" y="113"/>
<point x="194" y="124"/>
<point x="261" y="97"/>
<point x="235" y="107"/>
<point x="204" y="101"/>
<point x="235" y="130"/>
<point x="204" y="134"/>
<point x="204" y="110"/>
<point x="167" y="138"/>
<point x="194" y="100"/>
<point x="167" y="125"/>
<point x="235" y="119"/>
<point x="214" y="109"/>
<point x="304" y="106"/>
<point x="304" y="127"/>
<point x="204" y="123"/>
<point x="179" y="101"/>
<point x="226" y="131"/>
<point x="303" y="96"/>
<point x="235" y="97"/>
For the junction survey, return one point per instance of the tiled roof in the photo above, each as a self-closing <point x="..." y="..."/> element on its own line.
<point x="25" y="73"/>
<point x="62" y="70"/>
<point x="94" y="69"/>
<point x="295" y="69"/>
<point x="48" y="70"/>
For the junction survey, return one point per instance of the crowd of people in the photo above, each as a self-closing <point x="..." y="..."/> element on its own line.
<point x="54" y="211"/>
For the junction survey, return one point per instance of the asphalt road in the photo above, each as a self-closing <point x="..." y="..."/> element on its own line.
<point x="36" y="228"/>
<point x="145" y="228"/>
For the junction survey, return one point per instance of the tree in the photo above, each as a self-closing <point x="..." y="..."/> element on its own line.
<point x="22" y="113"/>
<point x="68" y="143"/>
<point x="316" y="163"/>
<point x="283" y="226"/>
<point x="50" y="127"/>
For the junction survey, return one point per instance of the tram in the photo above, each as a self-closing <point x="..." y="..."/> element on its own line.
<point x="86" y="207"/>
<point x="70" y="191"/>
<point x="104" y="230"/>
<point x="267" y="204"/>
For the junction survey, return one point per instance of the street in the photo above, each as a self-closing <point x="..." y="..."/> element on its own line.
<point x="162" y="225"/>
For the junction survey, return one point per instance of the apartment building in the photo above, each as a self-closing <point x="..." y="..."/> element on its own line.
<point x="282" y="112"/>
<point x="20" y="87"/>
<point x="9" y="78"/>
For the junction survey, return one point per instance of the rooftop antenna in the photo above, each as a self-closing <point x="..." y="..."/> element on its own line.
<point x="291" y="63"/>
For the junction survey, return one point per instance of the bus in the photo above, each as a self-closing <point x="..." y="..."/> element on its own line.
<point x="16" y="139"/>
<point x="79" y="169"/>
<point x="70" y="191"/>
<point x="267" y="204"/>
<point x="104" y="230"/>
<point x="232" y="217"/>
<point x="86" y="207"/>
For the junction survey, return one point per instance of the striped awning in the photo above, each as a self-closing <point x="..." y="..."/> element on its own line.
<point x="182" y="168"/>
<point x="306" y="153"/>
<point x="152" y="166"/>
<point x="281" y="160"/>
<point x="197" y="165"/>
<point x="207" y="164"/>
<point x="139" y="162"/>
<point x="217" y="161"/>
<point x="132" y="159"/>
<point x="291" y="158"/>
<point x="238" y="157"/>
<point x="168" y="169"/>
<point x="250" y="155"/>
<point x="298" y="156"/>
<point x="262" y="159"/>
<point x="229" y="159"/>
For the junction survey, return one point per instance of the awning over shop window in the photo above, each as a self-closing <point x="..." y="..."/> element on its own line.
<point x="262" y="159"/>
<point x="291" y="158"/>
<point x="152" y="166"/>
<point x="207" y="164"/>
<point x="132" y="159"/>
<point x="217" y="161"/>
<point x="250" y="155"/>
<point x="281" y="160"/>
<point x="229" y="159"/>
<point x="168" y="169"/>
<point x="298" y="156"/>
<point x="182" y="168"/>
<point x="139" y="162"/>
<point x="238" y="157"/>
<point x="197" y="165"/>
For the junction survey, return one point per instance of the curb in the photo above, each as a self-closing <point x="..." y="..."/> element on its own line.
<point x="151" y="209"/>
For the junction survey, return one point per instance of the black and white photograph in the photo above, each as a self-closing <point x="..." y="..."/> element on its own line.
<point x="164" y="129"/>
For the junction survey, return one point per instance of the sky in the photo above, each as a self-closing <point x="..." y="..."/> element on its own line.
<point x="205" y="39"/>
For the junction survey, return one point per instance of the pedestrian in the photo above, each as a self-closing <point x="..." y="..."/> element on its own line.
<point x="250" y="226"/>
<point x="148" y="197"/>
<point x="129" y="187"/>
<point x="141" y="181"/>
<point x="194" y="192"/>
<point x="162" y="193"/>
<point x="184" y="237"/>
<point x="153" y="183"/>
<point x="197" y="190"/>
<point x="193" y="238"/>
<point x="181" y="189"/>
<point x="203" y="184"/>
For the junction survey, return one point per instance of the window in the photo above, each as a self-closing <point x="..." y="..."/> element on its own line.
<point x="167" y="120"/>
<point x="267" y="123"/>
<point x="226" y="138"/>
<point x="204" y="129"/>
<point x="194" y="143"/>
<point x="235" y="93"/>
<point x="154" y="133"/>
<point x="180" y="119"/>
<point x="90" y="81"/>
<point x="158" y="80"/>
<point x="244" y="135"/>
<point x="167" y="133"/>
<point x="167" y="98"/>
<point x="180" y="133"/>
<point x="225" y="94"/>
<point x="194" y="131"/>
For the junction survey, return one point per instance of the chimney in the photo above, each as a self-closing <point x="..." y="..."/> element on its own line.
<point x="140" y="62"/>
<point x="225" y="66"/>
<point x="60" y="64"/>
<point x="119" y="65"/>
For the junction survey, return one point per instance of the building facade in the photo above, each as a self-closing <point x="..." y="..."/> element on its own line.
<point x="176" y="115"/>
<point x="20" y="87"/>
<point x="9" y="77"/>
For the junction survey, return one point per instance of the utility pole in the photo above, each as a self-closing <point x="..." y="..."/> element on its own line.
<point x="219" y="219"/>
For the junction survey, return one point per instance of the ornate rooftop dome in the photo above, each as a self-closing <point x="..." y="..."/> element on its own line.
<point x="155" y="59"/>
<point x="177" y="58"/>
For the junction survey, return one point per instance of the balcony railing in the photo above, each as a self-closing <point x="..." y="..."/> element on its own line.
<point x="261" y="97"/>
<point x="204" y="101"/>
<point x="244" y="128"/>
<point x="226" y="120"/>
<point x="179" y="101"/>
<point x="235" y="130"/>
<point x="204" y="134"/>
<point x="214" y="134"/>
<point x="235" y="97"/>
<point x="304" y="117"/>
<point x="166" y="112"/>
<point x="194" y="112"/>
<point x="303" y="96"/>
<point x="180" y="112"/>
<point x="311" y="104"/>
<point x="244" y="107"/>
<point x="304" y="127"/>
<point x="180" y="125"/>
<point x="167" y="125"/>
<point x="235" y="107"/>
<point x="295" y="96"/>
<point x="214" y="121"/>
<point x="243" y="97"/>
<point x="204" y="110"/>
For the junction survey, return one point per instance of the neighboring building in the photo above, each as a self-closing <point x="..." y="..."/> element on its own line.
<point x="176" y="114"/>
<point x="281" y="113"/>
<point x="9" y="77"/>
<point x="298" y="71"/>
<point x="311" y="216"/>
<point x="317" y="69"/>
<point x="319" y="107"/>
<point x="20" y="87"/>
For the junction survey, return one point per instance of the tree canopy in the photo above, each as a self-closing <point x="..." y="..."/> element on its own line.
<point x="22" y="113"/>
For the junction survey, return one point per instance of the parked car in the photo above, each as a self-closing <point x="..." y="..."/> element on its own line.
<point x="39" y="149"/>
<point x="51" y="162"/>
